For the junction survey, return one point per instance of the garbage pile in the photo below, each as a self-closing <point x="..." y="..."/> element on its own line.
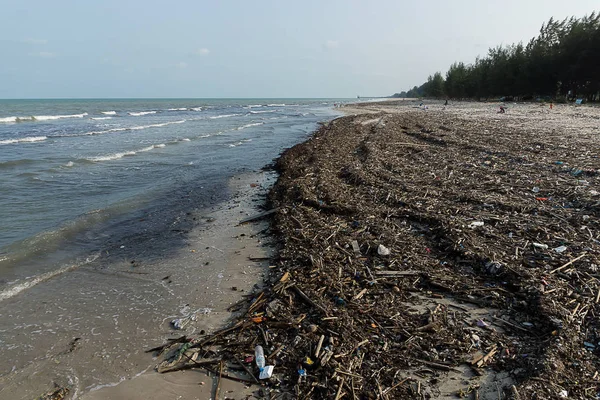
<point x="423" y="255"/>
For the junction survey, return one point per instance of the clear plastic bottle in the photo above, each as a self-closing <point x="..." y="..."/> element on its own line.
<point x="259" y="357"/>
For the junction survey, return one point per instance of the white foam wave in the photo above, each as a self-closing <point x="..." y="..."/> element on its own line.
<point x="185" y="140"/>
<point x="224" y="116"/>
<point x="197" y="109"/>
<point x="53" y="117"/>
<point x="253" y="106"/>
<point x="177" y="109"/>
<point x="19" y="287"/>
<point x="24" y="140"/>
<point x="100" y="118"/>
<point x="109" y="112"/>
<point x="249" y="125"/>
<point x="116" y="156"/>
<point x="69" y="164"/>
<point x="275" y="105"/>
<point x="262" y="112"/>
<point x="139" y="114"/>
<point x="130" y="128"/>
<point x="39" y="118"/>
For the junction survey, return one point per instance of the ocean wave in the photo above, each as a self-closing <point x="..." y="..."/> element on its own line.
<point x="275" y="105"/>
<point x="197" y="109"/>
<point x="109" y="112"/>
<point x="185" y="140"/>
<point x="249" y="125"/>
<point x="16" y="163"/>
<point x="54" y="117"/>
<point x="262" y="112"/>
<point x="253" y="106"/>
<point x="69" y="164"/>
<point x="100" y="118"/>
<point x="111" y="157"/>
<point x="39" y="118"/>
<point x="139" y="114"/>
<point x="224" y="116"/>
<point x="177" y="109"/>
<point x="116" y="156"/>
<point x="29" y="283"/>
<point x="129" y="128"/>
<point x="24" y="140"/>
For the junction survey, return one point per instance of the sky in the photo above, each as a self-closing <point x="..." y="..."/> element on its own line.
<point x="251" y="49"/>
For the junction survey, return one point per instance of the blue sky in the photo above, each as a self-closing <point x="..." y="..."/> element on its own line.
<point x="131" y="48"/>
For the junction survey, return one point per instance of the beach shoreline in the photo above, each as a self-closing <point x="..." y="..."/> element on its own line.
<point x="221" y="249"/>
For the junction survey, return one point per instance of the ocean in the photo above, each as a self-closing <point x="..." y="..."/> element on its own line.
<point x="76" y="172"/>
<point x="84" y="180"/>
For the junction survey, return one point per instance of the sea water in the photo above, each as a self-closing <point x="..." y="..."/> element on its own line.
<point x="84" y="182"/>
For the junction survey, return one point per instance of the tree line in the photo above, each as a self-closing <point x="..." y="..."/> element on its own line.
<point x="562" y="62"/>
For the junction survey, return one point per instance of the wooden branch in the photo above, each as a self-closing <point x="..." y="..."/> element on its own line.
<point x="569" y="263"/>
<point x="258" y="216"/>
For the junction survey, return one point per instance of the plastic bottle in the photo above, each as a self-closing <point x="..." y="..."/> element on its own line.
<point x="259" y="357"/>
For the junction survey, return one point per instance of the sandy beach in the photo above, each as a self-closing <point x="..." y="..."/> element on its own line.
<point x="431" y="252"/>
<point x="422" y="252"/>
<point x="109" y="357"/>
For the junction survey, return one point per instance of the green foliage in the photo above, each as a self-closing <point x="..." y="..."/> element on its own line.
<point x="562" y="61"/>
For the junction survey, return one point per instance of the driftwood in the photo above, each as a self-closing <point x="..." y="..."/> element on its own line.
<point x="258" y="216"/>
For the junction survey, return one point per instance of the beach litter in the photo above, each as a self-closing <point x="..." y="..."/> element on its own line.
<point x="341" y="317"/>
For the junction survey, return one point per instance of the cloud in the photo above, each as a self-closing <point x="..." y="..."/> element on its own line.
<point x="43" y="54"/>
<point x="202" y="52"/>
<point x="181" y="65"/>
<point x="35" y="41"/>
<point x="331" y="44"/>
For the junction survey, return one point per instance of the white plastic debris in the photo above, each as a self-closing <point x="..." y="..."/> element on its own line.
<point x="475" y="224"/>
<point x="535" y="189"/>
<point x="179" y="323"/>
<point x="382" y="250"/>
<point x="266" y="372"/>
<point x="560" y="249"/>
<point x="540" y="246"/>
<point x="563" y="393"/>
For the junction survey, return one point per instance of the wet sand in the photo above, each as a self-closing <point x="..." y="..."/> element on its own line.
<point x="97" y="349"/>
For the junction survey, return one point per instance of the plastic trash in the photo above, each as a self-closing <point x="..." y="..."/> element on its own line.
<point x="560" y="249"/>
<point x="535" y="189"/>
<point x="492" y="267"/>
<point x="266" y="372"/>
<point x="475" y="224"/>
<point x="383" y="251"/>
<point x="540" y="246"/>
<point x="259" y="356"/>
